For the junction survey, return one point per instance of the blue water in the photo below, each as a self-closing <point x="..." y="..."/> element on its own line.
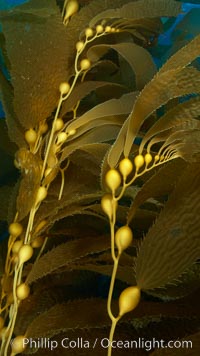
<point x="7" y="4"/>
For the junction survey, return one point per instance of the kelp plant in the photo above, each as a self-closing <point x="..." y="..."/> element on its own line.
<point x="81" y="108"/>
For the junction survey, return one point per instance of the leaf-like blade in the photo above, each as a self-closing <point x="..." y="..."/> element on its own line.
<point x="158" y="92"/>
<point x="72" y="315"/>
<point x="187" y="284"/>
<point x="83" y="89"/>
<point x="113" y="120"/>
<point x="141" y="9"/>
<point x="181" y="113"/>
<point x="80" y="190"/>
<point x="37" y="7"/>
<point x="186" y="143"/>
<point x="125" y="273"/>
<point x="103" y="133"/>
<point x="111" y="107"/>
<point x="138" y="58"/>
<point x="118" y="146"/>
<point x="65" y="254"/>
<point x="172" y="245"/>
<point x="161" y="183"/>
<point x="184" y="56"/>
<point x="90" y="157"/>
<point x="36" y="89"/>
<point x="77" y="205"/>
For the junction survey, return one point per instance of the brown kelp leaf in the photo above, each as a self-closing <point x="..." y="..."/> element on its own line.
<point x="54" y="51"/>
<point x="61" y="286"/>
<point x="53" y="289"/>
<point x="90" y="157"/>
<point x="76" y="205"/>
<point x="144" y="30"/>
<point x="161" y="183"/>
<point x="80" y="190"/>
<point x="105" y="259"/>
<point x="72" y="315"/>
<point x="65" y="254"/>
<point x="96" y="151"/>
<point x="84" y="314"/>
<point x="172" y="243"/>
<point x="78" y="184"/>
<point x="36" y="89"/>
<point x="38" y="8"/>
<point x="162" y="137"/>
<point x="160" y="90"/>
<point x="184" y="56"/>
<point x="14" y="128"/>
<point x="186" y="144"/>
<point x="190" y="347"/>
<point x="181" y="113"/>
<point x="117" y="147"/>
<point x="77" y="209"/>
<point x="144" y="218"/>
<point x="124" y="274"/>
<point x="138" y="58"/>
<point x="111" y="107"/>
<point x="79" y="205"/>
<point x="31" y="171"/>
<point x="113" y="120"/>
<point x="187" y="284"/>
<point x="99" y="134"/>
<point x="140" y="9"/>
<point x="81" y="90"/>
<point x="146" y="26"/>
<point x="182" y="140"/>
<point x="148" y="309"/>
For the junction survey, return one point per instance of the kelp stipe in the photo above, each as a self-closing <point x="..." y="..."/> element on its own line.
<point x="71" y="112"/>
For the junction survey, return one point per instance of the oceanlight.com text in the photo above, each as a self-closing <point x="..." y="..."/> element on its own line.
<point x="81" y="343"/>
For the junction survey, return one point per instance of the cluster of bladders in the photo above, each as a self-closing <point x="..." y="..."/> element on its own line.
<point x="115" y="179"/>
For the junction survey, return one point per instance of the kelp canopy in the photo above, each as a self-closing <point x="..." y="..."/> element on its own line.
<point x="99" y="137"/>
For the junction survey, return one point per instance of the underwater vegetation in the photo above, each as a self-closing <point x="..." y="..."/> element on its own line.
<point x="100" y="178"/>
